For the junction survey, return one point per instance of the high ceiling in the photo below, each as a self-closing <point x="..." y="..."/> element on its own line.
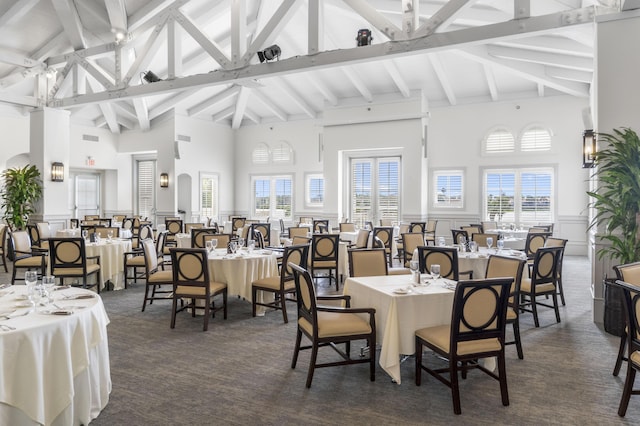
<point x="89" y="56"/>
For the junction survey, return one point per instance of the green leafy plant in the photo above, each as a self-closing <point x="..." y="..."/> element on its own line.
<point x="22" y="189"/>
<point x="617" y="198"/>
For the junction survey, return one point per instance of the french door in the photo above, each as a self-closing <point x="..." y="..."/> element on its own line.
<point x="86" y="188"/>
<point x="375" y="189"/>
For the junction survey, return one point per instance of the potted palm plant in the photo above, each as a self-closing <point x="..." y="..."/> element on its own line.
<point x="617" y="209"/>
<point x="22" y="189"/>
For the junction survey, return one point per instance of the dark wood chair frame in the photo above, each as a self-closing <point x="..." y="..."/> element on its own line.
<point x="323" y="256"/>
<point x="155" y="286"/>
<point x="385" y="234"/>
<point x="320" y="226"/>
<point x="15" y="255"/>
<point x="457" y="233"/>
<point x="620" y="274"/>
<point x="462" y="363"/>
<point x="450" y="271"/>
<point x="529" y="301"/>
<point x="58" y="265"/>
<point x="264" y="229"/>
<point x="197" y="236"/>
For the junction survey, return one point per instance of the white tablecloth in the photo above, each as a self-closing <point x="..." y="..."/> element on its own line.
<point x="54" y="369"/>
<point x="111" y="260"/>
<point x="61" y="233"/>
<point x="477" y="262"/>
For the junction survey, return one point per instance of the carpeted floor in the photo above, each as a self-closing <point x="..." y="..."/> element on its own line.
<point x="239" y="373"/>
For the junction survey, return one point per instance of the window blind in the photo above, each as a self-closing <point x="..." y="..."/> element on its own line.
<point x="536" y="139"/>
<point x="146" y="187"/>
<point x="448" y="189"/>
<point x="499" y="141"/>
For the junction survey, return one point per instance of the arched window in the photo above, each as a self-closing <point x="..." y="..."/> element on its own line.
<point x="499" y="140"/>
<point x="535" y="138"/>
<point x="260" y="154"/>
<point x="282" y="153"/>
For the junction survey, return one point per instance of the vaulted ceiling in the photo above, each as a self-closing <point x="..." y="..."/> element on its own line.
<point x="90" y="56"/>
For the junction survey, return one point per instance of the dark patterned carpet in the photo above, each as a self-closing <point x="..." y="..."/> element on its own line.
<point x="239" y="373"/>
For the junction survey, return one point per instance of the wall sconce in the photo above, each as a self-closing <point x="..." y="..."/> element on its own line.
<point x="57" y="172"/>
<point x="589" y="149"/>
<point x="164" y="180"/>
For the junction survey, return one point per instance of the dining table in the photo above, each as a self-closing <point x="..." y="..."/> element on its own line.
<point x="54" y="359"/>
<point x="477" y="261"/>
<point x="401" y="309"/>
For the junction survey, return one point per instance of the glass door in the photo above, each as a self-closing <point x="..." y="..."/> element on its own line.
<point x="375" y="190"/>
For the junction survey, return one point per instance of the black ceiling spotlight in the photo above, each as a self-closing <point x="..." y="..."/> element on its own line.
<point x="270" y="53"/>
<point x="364" y="37"/>
<point x="151" y="77"/>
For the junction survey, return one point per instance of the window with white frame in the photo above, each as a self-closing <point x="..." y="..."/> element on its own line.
<point x="498" y="141"/>
<point x="314" y="190"/>
<point x="535" y="139"/>
<point x="448" y="189"/>
<point x="260" y="154"/>
<point x="272" y="196"/>
<point x="522" y="196"/>
<point x="282" y="153"/>
<point x="375" y="189"/>
<point x="146" y="187"/>
<point x="209" y="195"/>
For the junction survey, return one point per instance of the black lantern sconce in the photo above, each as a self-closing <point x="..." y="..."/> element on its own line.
<point x="57" y="172"/>
<point x="589" y="149"/>
<point x="164" y="180"/>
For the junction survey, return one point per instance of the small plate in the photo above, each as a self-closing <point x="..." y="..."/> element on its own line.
<point x="57" y="312"/>
<point x="22" y="297"/>
<point x="401" y="291"/>
<point x="24" y="304"/>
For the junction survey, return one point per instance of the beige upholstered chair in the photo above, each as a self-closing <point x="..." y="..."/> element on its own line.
<point x="501" y="266"/>
<point x="104" y="232"/>
<point x="144" y="232"/>
<point x="457" y="235"/>
<point x="320" y="226"/>
<point x="237" y="223"/>
<point x="298" y="231"/>
<point x="192" y="225"/>
<point x="265" y="231"/>
<point x="191" y="281"/>
<point x="91" y="216"/>
<point x="324" y="255"/>
<point x="629" y="273"/>
<point x="386" y="222"/>
<point x="410" y="242"/>
<point x="23" y="256"/>
<point x="173" y="226"/>
<point x="471" y="229"/>
<point x="307" y="220"/>
<point x="367" y="262"/>
<point x="283" y="284"/>
<point x="543" y="281"/>
<point x="534" y="241"/>
<point x="476" y="331"/>
<point x="329" y="326"/>
<point x="631" y="303"/>
<point x="223" y="240"/>
<point x="362" y="240"/>
<point x="489" y="225"/>
<point x="119" y="217"/>
<point x="481" y="239"/>
<point x="198" y="234"/>
<point x="68" y="258"/>
<point x="347" y="227"/>
<point x="297" y="240"/>
<point x="558" y="242"/>
<point x="385" y="234"/>
<point x="430" y="231"/>
<point x="155" y="278"/>
<point x="446" y="257"/>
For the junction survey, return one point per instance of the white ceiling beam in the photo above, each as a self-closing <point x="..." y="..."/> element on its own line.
<point x="126" y="109"/>
<point x="324" y="89"/>
<point x="202" y="39"/>
<point x="217" y="98"/>
<point x="315" y="27"/>
<point x="554" y="59"/>
<point x="533" y="72"/>
<point x="224" y="114"/>
<point x="241" y="106"/>
<point x="273" y="27"/>
<point x="68" y="17"/>
<point x="375" y="18"/>
<point x="18" y="76"/>
<point x="97" y="10"/>
<point x="14" y="58"/>
<point x="9" y="98"/>
<point x="443" y="17"/>
<point x="174" y="49"/>
<point x="106" y="108"/>
<point x="18" y="10"/>
<point x="358" y="83"/>
<point x="117" y="15"/>
<point x="149" y="11"/>
<point x="550" y="44"/>
<point x="125" y="122"/>
<point x="142" y="113"/>
<point x="270" y="105"/>
<point x="171" y="102"/>
<point x="99" y="74"/>
<point x="397" y="78"/>
<point x="146" y="54"/>
<point x="61" y="77"/>
<point x="410" y="17"/>
<point x="441" y="73"/>
<point x="295" y="96"/>
<point x="435" y="42"/>
<point x="491" y="81"/>
<point x="521" y="9"/>
<point x="238" y="32"/>
<point x="540" y="90"/>
<point x="571" y="75"/>
<point x="252" y="116"/>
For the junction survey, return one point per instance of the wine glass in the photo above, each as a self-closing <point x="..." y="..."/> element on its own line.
<point x="463" y="242"/>
<point x="489" y="242"/>
<point x="49" y="282"/>
<point x="209" y="246"/>
<point x="441" y="242"/>
<point x="85" y="234"/>
<point x="251" y="244"/>
<point x="435" y="271"/>
<point x="500" y="244"/>
<point x="240" y="242"/>
<point x="109" y="234"/>
<point x="233" y="245"/>
<point x="413" y="266"/>
<point x="214" y="243"/>
<point x="31" y="279"/>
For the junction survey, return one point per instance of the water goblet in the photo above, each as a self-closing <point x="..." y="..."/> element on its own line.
<point x="500" y="244"/>
<point x="441" y="242"/>
<point x="473" y="246"/>
<point x="109" y="235"/>
<point x="209" y="246"/>
<point x="435" y="271"/>
<point x="85" y="234"/>
<point x="413" y="266"/>
<point x="463" y="242"/>
<point x="31" y="279"/>
<point x="251" y="244"/>
<point x="240" y="242"/>
<point x="214" y="243"/>
<point x="233" y="245"/>
<point x="489" y="242"/>
<point x="49" y="282"/>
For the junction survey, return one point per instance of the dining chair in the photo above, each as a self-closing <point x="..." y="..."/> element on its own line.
<point x="104" y="221"/>
<point x="411" y="241"/>
<point x="282" y="284"/>
<point x="144" y="232"/>
<point x="23" y="256"/>
<point x="446" y="257"/>
<point x="298" y="231"/>
<point x="34" y="234"/>
<point x="386" y="222"/>
<point x="385" y="234"/>
<point x="103" y="231"/>
<point x="74" y="223"/>
<point x="457" y="234"/>
<point x="198" y="234"/>
<point x="127" y="224"/>
<point x="481" y="239"/>
<point x="237" y="223"/>
<point x="4" y="246"/>
<point x="543" y="282"/>
<point x="265" y="231"/>
<point x="420" y="227"/>
<point x="155" y="277"/>
<point x="558" y="242"/>
<point x="533" y="242"/>
<point x="284" y="232"/>
<point x="367" y="262"/>
<point x="471" y="229"/>
<point x="512" y="267"/>
<point x="630" y="274"/>
<point x="402" y="229"/>
<point x="320" y="226"/>
<point x="119" y="217"/>
<point x="44" y="232"/>
<point x="325" y="255"/>
<point x="191" y="281"/>
<point x="297" y="240"/>
<point x="173" y="227"/>
<point x="430" y="231"/>
<point x="68" y="258"/>
<point x="330" y="326"/>
<point x="489" y="225"/>
<point x="362" y="239"/>
<point x="192" y="225"/>
<point x="631" y="306"/>
<point x="307" y="220"/>
<point x="368" y="225"/>
<point x="223" y="240"/>
<point x="477" y="330"/>
<point x="347" y="227"/>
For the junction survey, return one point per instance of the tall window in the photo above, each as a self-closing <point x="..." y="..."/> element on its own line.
<point x="375" y="189"/>
<point x="87" y="194"/>
<point x="209" y="196"/>
<point x="448" y="189"/>
<point x="146" y="197"/>
<point x="522" y="196"/>
<point x="272" y="196"/>
<point x="314" y="190"/>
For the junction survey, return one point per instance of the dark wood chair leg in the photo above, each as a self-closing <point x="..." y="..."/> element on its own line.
<point x="623" y="346"/>
<point x="312" y="363"/>
<point x="516" y="335"/>
<point x="254" y="294"/>
<point x="418" y="363"/>
<point x="455" y="388"/>
<point x="502" y="371"/>
<point x="628" y="388"/>
<point x="296" y="350"/>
